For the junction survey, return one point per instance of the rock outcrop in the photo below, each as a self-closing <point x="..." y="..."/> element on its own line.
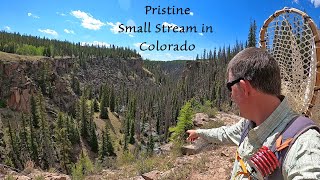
<point x="21" y="77"/>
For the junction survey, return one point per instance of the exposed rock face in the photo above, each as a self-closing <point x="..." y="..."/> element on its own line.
<point x="200" y="119"/>
<point x="153" y="175"/>
<point x="20" y="78"/>
<point x="194" y="148"/>
<point x="114" y="72"/>
<point x="45" y="176"/>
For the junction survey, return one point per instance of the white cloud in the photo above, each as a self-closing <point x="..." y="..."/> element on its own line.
<point x="68" y="31"/>
<point x="116" y="30"/>
<point x="7" y="28"/>
<point x="191" y="13"/>
<point x="172" y="26"/>
<point x="201" y="34"/>
<point x="87" y="20"/>
<point x="48" y="31"/>
<point x="61" y="14"/>
<point x="114" y="27"/>
<point x="95" y="43"/>
<point x="316" y="3"/>
<point x="163" y="56"/>
<point x="139" y="44"/>
<point x="183" y="58"/>
<point x="32" y="15"/>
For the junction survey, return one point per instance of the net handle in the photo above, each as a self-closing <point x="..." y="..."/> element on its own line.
<point x="316" y="36"/>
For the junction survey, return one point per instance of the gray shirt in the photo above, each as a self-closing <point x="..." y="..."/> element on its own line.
<point x="302" y="160"/>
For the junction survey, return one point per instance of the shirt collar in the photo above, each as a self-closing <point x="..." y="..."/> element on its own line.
<point x="281" y="115"/>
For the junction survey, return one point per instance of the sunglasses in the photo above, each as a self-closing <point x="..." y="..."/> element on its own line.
<point x="231" y="83"/>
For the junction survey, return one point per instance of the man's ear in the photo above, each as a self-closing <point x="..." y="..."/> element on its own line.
<point x="246" y="87"/>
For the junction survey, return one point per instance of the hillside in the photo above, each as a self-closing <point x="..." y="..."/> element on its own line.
<point x="213" y="162"/>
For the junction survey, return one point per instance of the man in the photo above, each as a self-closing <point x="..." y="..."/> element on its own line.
<point x="255" y="85"/>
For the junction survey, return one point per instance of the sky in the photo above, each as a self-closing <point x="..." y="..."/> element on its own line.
<point x="99" y="22"/>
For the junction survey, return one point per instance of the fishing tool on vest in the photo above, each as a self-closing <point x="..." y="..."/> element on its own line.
<point x="267" y="162"/>
<point x="264" y="162"/>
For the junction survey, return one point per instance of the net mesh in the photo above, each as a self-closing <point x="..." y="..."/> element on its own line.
<point x="290" y="40"/>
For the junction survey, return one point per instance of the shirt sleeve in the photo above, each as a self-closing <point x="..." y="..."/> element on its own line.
<point x="226" y="134"/>
<point x="303" y="159"/>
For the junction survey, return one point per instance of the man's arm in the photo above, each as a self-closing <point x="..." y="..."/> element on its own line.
<point x="224" y="134"/>
<point x="303" y="159"/>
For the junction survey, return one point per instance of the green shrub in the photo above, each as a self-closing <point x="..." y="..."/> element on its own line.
<point x="126" y="158"/>
<point x="207" y="109"/>
<point x="184" y="123"/>
<point x="82" y="168"/>
<point x="3" y="103"/>
<point x="10" y="177"/>
<point x="145" y="165"/>
<point x="39" y="177"/>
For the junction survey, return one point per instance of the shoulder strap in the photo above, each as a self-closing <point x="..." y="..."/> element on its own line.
<point x="249" y="125"/>
<point x="293" y="130"/>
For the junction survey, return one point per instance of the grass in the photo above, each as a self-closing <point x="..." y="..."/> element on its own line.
<point x="39" y="177"/>
<point x="132" y="167"/>
<point x="10" y="177"/>
<point x="15" y="57"/>
<point x="185" y="170"/>
<point x="114" y="125"/>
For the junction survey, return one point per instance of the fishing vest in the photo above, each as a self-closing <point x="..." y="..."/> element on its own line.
<point x="283" y="143"/>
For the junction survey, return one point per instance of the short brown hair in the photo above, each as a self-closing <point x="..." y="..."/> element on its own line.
<point x="259" y="68"/>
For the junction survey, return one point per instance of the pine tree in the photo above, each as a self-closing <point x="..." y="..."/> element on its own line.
<point x="132" y="133"/>
<point x="64" y="148"/>
<point x="106" y="148"/>
<point x="150" y="145"/>
<point x="252" y="39"/>
<point x="75" y="85"/>
<point x="13" y="143"/>
<point x="93" y="139"/>
<point x="158" y="125"/>
<point x="72" y="130"/>
<point x="103" y="147"/>
<point x="24" y="145"/>
<point x="95" y="105"/>
<point x="35" y="112"/>
<point x="110" y="148"/>
<point x="125" y="146"/>
<point x="47" y="154"/>
<point x="204" y="56"/>
<point x="83" y="167"/>
<point x="34" y="144"/>
<point x="112" y="100"/>
<point x="184" y="123"/>
<point x="84" y="117"/>
<point x="103" y="106"/>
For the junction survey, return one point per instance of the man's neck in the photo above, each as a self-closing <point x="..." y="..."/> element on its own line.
<point x="262" y="107"/>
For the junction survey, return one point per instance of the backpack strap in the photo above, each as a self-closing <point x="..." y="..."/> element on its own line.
<point x="293" y="130"/>
<point x="249" y="125"/>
